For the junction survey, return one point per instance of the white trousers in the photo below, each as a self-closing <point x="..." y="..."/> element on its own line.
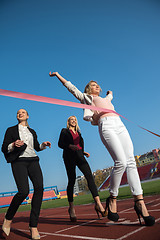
<point x="116" y="139"/>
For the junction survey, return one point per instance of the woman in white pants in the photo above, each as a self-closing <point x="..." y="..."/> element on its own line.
<point x="116" y="139"/>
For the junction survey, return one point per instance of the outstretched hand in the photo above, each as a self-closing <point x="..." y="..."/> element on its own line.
<point x="52" y="74"/>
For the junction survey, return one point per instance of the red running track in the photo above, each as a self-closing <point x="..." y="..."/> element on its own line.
<point x="54" y="224"/>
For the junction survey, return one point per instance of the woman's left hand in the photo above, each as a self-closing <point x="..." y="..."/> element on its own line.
<point x="87" y="154"/>
<point x="109" y="92"/>
<point x="46" y="144"/>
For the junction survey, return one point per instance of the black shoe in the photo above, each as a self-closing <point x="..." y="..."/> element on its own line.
<point x="149" y="220"/>
<point x="104" y="213"/>
<point x="73" y="218"/>
<point x="111" y="216"/>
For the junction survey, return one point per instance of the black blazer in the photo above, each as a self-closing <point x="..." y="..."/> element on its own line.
<point x="65" y="140"/>
<point x="11" y="135"/>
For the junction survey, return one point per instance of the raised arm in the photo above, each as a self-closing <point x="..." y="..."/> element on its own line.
<point x="109" y="95"/>
<point x="71" y="88"/>
<point x="56" y="74"/>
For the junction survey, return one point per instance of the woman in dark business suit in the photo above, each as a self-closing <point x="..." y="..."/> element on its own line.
<point x="18" y="147"/>
<point x="71" y="142"/>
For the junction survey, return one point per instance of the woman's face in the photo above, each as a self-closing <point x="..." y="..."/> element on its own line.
<point x="22" y="115"/>
<point x="95" y="88"/>
<point x="72" y="122"/>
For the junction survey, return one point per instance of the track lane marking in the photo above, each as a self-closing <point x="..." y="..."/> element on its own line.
<point x="76" y="226"/>
<point x="93" y="238"/>
<point x="65" y="235"/>
<point x="66" y="215"/>
<point x="156" y="205"/>
<point x="126" y="210"/>
<point x="44" y="234"/>
<point x="66" y="229"/>
<point x="133" y="232"/>
<point x="79" y="237"/>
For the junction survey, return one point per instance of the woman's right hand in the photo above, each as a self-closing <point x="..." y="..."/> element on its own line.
<point x="56" y="74"/>
<point x="18" y="143"/>
<point x="53" y="74"/>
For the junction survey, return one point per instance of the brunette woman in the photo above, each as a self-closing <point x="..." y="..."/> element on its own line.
<point x="19" y="145"/>
<point x="72" y="143"/>
<point x="116" y="139"/>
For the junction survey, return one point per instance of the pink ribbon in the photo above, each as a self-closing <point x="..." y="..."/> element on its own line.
<point x="51" y="100"/>
<point x="36" y="98"/>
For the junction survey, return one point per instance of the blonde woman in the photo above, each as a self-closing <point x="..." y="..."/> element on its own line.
<point x="18" y="147"/>
<point x="116" y="139"/>
<point x="72" y="143"/>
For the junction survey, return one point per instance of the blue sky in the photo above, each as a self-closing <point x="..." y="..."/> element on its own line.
<point x="115" y="42"/>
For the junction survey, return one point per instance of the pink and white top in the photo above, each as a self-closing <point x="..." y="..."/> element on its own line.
<point x="90" y="115"/>
<point x="103" y="103"/>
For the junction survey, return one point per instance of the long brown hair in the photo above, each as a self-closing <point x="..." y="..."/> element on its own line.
<point x="76" y="127"/>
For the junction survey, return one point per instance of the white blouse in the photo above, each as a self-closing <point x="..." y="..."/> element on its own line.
<point x="27" y="137"/>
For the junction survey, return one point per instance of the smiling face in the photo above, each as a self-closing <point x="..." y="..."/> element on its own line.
<point x="72" y="123"/>
<point x="92" y="88"/>
<point x="22" y="116"/>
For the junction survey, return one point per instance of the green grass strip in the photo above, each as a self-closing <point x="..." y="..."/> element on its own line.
<point x="149" y="188"/>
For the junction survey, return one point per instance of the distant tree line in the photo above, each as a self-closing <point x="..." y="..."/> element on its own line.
<point x="99" y="178"/>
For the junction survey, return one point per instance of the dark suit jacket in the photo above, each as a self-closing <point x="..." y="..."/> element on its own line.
<point x="11" y="135"/>
<point x="65" y="140"/>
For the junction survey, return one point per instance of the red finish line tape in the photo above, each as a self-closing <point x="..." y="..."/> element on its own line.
<point x="36" y="98"/>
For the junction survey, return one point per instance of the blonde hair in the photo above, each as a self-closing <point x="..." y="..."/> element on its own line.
<point x="76" y="127"/>
<point x="27" y="115"/>
<point x="88" y="87"/>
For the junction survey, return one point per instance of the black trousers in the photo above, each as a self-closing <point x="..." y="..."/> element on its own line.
<point x="21" y="171"/>
<point x="78" y="159"/>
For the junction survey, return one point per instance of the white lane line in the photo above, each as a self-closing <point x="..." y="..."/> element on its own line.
<point x="66" y="215"/>
<point x="152" y="200"/>
<point x="93" y="238"/>
<point x="66" y="229"/>
<point x="76" y="226"/>
<point x="126" y="210"/>
<point x="67" y="236"/>
<point x="135" y="231"/>
<point x="153" y="210"/>
<point x="28" y="231"/>
<point x="131" y="233"/>
<point x="124" y="222"/>
<point x="156" y="205"/>
<point x="45" y="234"/>
<point x="78" y="237"/>
<point x="83" y="237"/>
